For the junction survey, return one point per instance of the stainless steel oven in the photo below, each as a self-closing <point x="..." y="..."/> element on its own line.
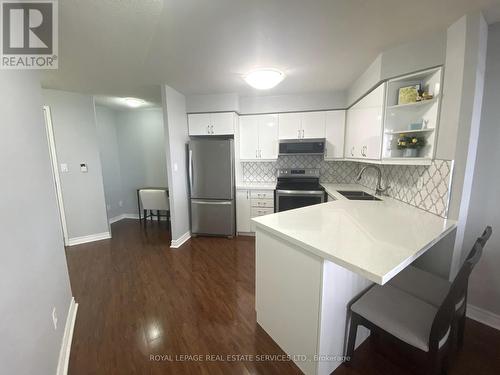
<point x="298" y="188"/>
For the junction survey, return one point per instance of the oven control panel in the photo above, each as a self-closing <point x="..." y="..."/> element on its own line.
<point x="298" y="172"/>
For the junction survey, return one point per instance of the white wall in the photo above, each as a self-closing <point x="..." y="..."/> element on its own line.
<point x="132" y="153"/>
<point x="468" y="36"/>
<point x="110" y="160"/>
<point x="424" y="52"/>
<point x="33" y="272"/>
<point x="141" y="144"/>
<point x="366" y="81"/>
<point x="75" y="133"/>
<point x="176" y="136"/>
<point x="213" y="103"/>
<point x="484" y="284"/>
<point x="288" y="103"/>
<point x="266" y="103"/>
<point x="427" y="50"/>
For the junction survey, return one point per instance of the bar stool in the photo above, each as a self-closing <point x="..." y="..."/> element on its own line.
<point x="433" y="289"/>
<point x="411" y="320"/>
<point x="154" y="200"/>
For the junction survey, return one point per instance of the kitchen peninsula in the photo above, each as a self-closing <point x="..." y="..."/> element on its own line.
<point x="313" y="261"/>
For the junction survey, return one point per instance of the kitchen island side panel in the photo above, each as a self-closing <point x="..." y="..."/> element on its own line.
<point x="287" y="297"/>
<point x="340" y="288"/>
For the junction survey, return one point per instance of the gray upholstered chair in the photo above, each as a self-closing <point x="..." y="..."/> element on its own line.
<point x="411" y="320"/>
<point x="433" y="289"/>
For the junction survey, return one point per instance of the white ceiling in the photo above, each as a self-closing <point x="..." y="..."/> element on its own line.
<point x="130" y="47"/>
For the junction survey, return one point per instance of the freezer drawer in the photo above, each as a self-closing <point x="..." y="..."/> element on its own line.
<point x="213" y="217"/>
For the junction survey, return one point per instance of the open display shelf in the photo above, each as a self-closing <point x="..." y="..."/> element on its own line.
<point x="407" y="131"/>
<point x="399" y="117"/>
<point x="414" y="105"/>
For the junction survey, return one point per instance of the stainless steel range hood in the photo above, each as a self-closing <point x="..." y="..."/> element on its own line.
<point x="302" y="146"/>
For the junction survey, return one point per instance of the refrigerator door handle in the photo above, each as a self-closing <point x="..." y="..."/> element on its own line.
<point x="201" y="201"/>
<point x="190" y="170"/>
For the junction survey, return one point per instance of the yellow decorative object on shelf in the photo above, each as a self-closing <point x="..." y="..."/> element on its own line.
<point x="408" y="94"/>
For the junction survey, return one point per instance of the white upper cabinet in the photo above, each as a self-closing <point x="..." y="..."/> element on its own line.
<point x="302" y="125"/>
<point x="268" y="137"/>
<point x="211" y="123"/>
<point x="290" y="125"/>
<point x="313" y="125"/>
<point x="249" y="137"/>
<point x="199" y="123"/>
<point x="364" y="127"/>
<point x="259" y="137"/>
<point x="334" y="133"/>
<point x="223" y="123"/>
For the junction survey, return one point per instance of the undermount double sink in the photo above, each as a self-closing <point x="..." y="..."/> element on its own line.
<point x="357" y="195"/>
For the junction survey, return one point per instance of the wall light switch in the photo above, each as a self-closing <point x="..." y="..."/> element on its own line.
<point x="175" y="167"/>
<point x="64" y="168"/>
<point x="83" y="168"/>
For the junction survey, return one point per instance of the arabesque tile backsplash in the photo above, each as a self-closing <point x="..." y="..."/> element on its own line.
<point x="425" y="187"/>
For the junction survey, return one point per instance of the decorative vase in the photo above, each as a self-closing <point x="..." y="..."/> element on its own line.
<point x="411" y="153"/>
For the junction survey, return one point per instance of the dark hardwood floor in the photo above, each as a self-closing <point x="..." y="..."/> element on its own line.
<point x="138" y="298"/>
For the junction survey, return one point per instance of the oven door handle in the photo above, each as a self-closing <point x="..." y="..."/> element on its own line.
<point x="301" y="192"/>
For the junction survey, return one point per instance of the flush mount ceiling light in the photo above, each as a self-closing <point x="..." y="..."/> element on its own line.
<point x="134" y="102"/>
<point x="263" y="79"/>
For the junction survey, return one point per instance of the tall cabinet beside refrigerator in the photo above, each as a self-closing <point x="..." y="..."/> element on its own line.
<point x="211" y="184"/>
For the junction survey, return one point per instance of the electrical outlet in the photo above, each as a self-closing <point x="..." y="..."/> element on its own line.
<point x="120" y="203"/>
<point x="108" y="207"/>
<point x="54" y="318"/>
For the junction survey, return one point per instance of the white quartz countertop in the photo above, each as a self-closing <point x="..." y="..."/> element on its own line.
<point x="256" y="185"/>
<point x="376" y="239"/>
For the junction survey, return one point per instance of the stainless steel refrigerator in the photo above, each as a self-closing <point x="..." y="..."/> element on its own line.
<point x="211" y="184"/>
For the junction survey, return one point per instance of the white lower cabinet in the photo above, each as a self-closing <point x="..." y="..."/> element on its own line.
<point x="259" y="211"/>
<point x="252" y="203"/>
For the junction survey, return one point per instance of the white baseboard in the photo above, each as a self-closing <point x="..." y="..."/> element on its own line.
<point x="180" y="241"/>
<point x="247" y="234"/>
<point x="62" y="366"/>
<point x="483" y="316"/>
<point x="116" y="218"/>
<point x="90" y="238"/>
